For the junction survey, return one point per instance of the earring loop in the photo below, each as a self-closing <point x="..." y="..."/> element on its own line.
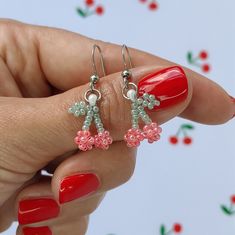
<point x="126" y="74"/>
<point x="125" y="50"/>
<point x="101" y="60"/>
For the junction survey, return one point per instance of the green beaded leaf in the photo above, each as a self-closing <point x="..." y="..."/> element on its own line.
<point x="149" y="101"/>
<point x="81" y="12"/>
<point x="226" y="210"/>
<point x="163" y="230"/>
<point x="79" y="109"/>
<point x="187" y="126"/>
<point x="190" y="57"/>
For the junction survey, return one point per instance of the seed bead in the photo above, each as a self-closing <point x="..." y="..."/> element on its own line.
<point x="82" y="104"/>
<point x="95" y="109"/>
<point x="152" y="97"/>
<point x="100" y="130"/>
<point x="146" y="95"/>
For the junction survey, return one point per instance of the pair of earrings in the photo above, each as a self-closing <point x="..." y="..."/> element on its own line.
<point x="88" y="108"/>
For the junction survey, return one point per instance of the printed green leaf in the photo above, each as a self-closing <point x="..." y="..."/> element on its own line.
<point x="187" y="126"/>
<point x="190" y="57"/>
<point x="81" y="12"/>
<point x="226" y="210"/>
<point x="162" y="230"/>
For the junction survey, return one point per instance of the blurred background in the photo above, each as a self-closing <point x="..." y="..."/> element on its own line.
<point x="185" y="183"/>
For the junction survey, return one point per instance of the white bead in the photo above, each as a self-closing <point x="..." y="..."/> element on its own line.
<point x="131" y="94"/>
<point x="92" y="99"/>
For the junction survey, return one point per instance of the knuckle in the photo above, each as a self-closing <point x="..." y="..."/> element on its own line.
<point x="128" y="166"/>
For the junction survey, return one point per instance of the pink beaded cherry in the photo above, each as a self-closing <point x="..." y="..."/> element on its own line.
<point x="152" y="132"/>
<point x="103" y="140"/>
<point x="84" y="140"/>
<point x="133" y="137"/>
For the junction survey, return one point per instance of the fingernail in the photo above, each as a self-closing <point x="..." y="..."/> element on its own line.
<point x="37" y="231"/>
<point x="170" y="86"/>
<point x="233" y="99"/>
<point x="77" y="186"/>
<point x="36" y="210"/>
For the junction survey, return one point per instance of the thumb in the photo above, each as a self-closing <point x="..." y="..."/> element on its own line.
<point x="40" y="129"/>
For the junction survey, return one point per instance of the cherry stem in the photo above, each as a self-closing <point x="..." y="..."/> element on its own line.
<point x="178" y="132"/>
<point x="184" y="133"/>
<point x="169" y="232"/>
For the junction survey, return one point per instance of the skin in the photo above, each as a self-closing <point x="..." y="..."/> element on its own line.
<point x="42" y="72"/>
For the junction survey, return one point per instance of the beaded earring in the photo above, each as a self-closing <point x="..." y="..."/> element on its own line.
<point x="151" y="131"/>
<point x="88" y="108"/>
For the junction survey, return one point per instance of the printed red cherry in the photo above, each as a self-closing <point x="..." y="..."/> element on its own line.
<point x="233" y="199"/>
<point x="203" y="55"/>
<point x="177" y="228"/>
<point x="187" y="140"/>
<point x="99" y="10"/>
<point x="89" y="2"/>
<point x="206" y="68"/>
<point x="153" y="6"/>
<point x="174" y="139"/>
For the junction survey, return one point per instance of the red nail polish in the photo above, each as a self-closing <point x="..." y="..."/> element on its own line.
<point x="37" y="231"/>
<point x="77" y="186"/>
<point x="36" y="210"/>
<point x="169" y="85"/>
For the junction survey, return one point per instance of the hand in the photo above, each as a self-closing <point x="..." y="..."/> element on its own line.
<point x="37" y="63"/>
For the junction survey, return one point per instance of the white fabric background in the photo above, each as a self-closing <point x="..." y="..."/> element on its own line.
<point x="185" y="184"/>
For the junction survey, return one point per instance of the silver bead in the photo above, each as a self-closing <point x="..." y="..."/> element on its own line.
<point x="94" y="78"/>
<point x="126" y="74"/>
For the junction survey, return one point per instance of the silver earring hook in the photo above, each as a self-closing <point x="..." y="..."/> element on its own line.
<point x="126" y="74"/>
<point x="125" y="51"/>
<point x="101" y="60"/>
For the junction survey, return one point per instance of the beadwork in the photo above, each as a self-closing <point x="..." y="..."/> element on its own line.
<point x="84" y="140"/>
<point x="151" y="130"/>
